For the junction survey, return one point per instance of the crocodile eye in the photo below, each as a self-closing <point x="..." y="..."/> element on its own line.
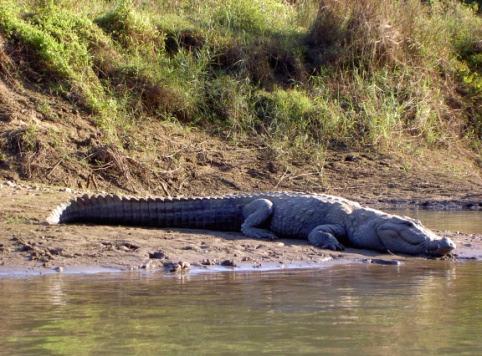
<point x="409" y="223"/>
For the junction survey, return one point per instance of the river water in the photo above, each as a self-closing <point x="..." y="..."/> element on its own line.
<point x="467" y="221"/>
<point x="420" y="307"/>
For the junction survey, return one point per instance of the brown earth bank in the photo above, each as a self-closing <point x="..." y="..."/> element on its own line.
<point x="28" y="244"/>
<point x="47" y="139"/>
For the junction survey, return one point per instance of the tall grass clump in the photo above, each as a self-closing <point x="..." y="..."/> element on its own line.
<point x="369" y="33"/>
<point x="299" y="121"/>
<point x="416" y="47"/>
<point x="252" y="16"/>
<point x="127" y="27"/>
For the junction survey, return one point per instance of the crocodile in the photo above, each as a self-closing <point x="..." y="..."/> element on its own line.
<point x="326" y="221"/>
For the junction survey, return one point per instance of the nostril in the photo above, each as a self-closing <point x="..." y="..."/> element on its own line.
<point x="447" y="243"/>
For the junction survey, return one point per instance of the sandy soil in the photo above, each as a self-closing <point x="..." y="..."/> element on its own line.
<point x="27" y="242"/>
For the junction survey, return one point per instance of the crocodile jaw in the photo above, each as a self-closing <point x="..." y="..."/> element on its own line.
<point x="405" y="235"/>
<point x="440" y="247"/>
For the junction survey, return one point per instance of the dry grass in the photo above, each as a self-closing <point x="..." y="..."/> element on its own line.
<point x="371" y="33"/>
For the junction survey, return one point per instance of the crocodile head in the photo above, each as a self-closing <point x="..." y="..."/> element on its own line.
<point x="406" y="235"/>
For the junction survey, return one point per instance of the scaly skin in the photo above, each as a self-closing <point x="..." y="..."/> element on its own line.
<point x="325" y="221"/>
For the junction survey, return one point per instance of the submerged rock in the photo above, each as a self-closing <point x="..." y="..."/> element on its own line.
<point x="180" y="266"/>
<point x="379" y="261"/>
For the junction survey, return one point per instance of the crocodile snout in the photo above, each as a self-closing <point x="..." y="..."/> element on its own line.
<point x="441" y="247"/>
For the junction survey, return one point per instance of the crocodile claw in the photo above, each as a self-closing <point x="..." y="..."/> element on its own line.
<point x="326" y="241"/>
<point x="334" y="246"/>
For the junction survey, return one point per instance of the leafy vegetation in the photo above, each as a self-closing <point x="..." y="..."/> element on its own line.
<point x="302" y="75"/>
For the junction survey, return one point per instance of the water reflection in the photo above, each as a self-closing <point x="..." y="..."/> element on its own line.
<point x="467" y="221"/>
<point x="428" y="307"/>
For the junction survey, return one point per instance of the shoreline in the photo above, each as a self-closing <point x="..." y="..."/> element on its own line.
<point x="24" y="272"/>
<point x="386" y="261"/>
<point x="29" y="246"/>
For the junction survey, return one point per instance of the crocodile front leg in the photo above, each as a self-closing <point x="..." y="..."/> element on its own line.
<point x="256" y="213"/>
<point x="324" y="236"/>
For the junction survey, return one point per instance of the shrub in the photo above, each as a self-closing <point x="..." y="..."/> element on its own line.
<point x="252" y="16"/>
<point x="126" y="27"/>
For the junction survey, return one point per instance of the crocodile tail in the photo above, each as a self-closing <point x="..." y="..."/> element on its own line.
<point x="215" y="213"/>
<point x="54" y="217"/>
<point x="86" y="208"/>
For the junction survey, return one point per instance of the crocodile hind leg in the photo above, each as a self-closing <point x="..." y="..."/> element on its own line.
<point x="256" y="213"/>
<point x="324" y="236"/>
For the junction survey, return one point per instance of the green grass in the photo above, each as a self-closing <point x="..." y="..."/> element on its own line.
<point x="301" y="75"/>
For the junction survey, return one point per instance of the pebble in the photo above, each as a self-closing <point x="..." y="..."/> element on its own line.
<point x="351" y="158"/>
<point x="380" y="261"/>
<point x="11" y="184"/>
<point x="208" y="262"/>
<point x="184" y="265"/>
<point x="228" y="263"/>
<point x="181" y="266"/>
<point x="157" y="255"/>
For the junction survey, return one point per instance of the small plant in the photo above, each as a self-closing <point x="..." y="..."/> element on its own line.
<point x="252" y="16"/>
<point x="45" y="109"/>
<point x="128" y="28"/>
<point x="28" y="138"/>
<point x="228" y="103"/>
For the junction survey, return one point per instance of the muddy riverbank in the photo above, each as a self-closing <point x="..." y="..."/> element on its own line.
<point x="27" y="243"/>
